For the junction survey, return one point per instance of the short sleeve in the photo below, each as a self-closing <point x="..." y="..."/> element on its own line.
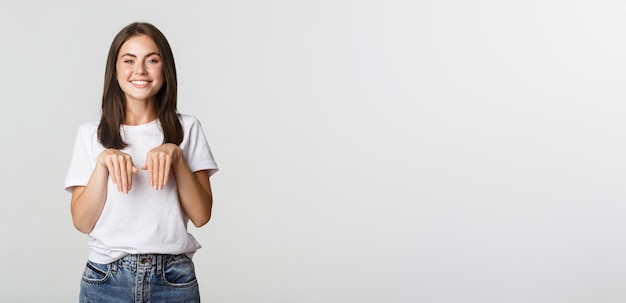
<point x="83" y="158"/>
<point x="196" y="148"/>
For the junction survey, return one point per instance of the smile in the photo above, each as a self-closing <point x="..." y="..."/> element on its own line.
<point x="138" y="82"/>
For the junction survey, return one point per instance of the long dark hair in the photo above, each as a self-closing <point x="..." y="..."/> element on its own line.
<point x="114" y="101"/>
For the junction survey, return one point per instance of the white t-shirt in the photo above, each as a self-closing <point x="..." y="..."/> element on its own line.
<point x="144" y="220"/>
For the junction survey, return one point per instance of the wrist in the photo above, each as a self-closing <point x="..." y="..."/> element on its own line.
<point x="177" y="153"/>
<point x="101" y="168"/>
<point x="179" y="157"/>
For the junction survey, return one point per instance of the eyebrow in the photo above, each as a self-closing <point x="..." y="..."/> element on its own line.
<point x="135" y="56"/>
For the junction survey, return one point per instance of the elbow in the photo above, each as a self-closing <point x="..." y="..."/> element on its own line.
<point x="81" y="224"/>
<point x="201" y="220"/>
<point x="202" y="215"/>
<point x="83" y="228"/>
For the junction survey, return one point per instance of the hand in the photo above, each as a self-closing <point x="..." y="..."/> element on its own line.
<point x="120" y="167"/>
<point x="159" y="161"/>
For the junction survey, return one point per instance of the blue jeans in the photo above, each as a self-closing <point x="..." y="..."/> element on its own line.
<point x="139" y="279"/>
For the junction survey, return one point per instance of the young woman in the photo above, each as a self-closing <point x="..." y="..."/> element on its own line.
<point x="138" y="176"/>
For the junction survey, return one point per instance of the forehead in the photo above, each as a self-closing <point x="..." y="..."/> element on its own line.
<point x="138" y="45"/>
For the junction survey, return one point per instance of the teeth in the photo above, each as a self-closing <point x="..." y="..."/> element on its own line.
<point x="139" y="82"/>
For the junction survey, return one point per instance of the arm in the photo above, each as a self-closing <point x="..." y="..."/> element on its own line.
<point x="88" y="201"/>
<point x="194" y="192"/>
<point x="194" y="189"/>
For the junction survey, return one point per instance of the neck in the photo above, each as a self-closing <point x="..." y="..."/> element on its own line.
<point x="139" y="112"/>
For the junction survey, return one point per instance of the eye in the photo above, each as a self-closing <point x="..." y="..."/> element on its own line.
<point x="129" y="61"/>
<point x="153" y="61"/>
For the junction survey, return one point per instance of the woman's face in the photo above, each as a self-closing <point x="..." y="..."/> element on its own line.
<point x="139" y="69"/>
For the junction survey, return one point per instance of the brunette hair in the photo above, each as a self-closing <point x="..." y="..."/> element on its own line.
<point x="114" y="101"/>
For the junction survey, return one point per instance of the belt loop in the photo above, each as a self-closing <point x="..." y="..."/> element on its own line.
<point x="114" y="266"/>
<point x="160" y="264"/>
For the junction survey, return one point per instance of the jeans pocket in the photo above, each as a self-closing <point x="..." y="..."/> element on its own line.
<point x="179" y="271"/>
<point x="96" y="273"/>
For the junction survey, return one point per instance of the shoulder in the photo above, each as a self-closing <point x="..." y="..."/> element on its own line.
<point x="185" y="118"/>
<point x="188" y="121"/>
<point x="88" y="128"/>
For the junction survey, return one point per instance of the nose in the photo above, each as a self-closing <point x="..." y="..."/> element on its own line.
<point x="140" y="69"/>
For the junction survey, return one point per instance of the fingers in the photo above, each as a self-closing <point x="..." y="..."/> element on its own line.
<point x="158" y="169"/>
<point x="166" y="171"/>
<point x="129" y="175"/>
<point x="161" y="176"/>
<point x="112" y="167"/>
<point x="121" y="169"/>
<point x="158" y="164"/>
<point x="123" y="173"/>
<point x="152" y="166"/>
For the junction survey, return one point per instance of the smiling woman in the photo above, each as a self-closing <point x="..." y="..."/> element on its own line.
<point x="139" y="41"/>
<point x="139" y="70"/>
<point x="137" y="218"/>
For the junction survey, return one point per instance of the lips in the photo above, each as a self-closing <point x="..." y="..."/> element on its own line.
<point x="140" y="83"/>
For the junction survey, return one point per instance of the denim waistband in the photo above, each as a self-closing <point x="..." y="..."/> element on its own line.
<point x="142" y="262"/>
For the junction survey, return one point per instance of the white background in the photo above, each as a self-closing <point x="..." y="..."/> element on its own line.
<point x="370" y="151"/>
